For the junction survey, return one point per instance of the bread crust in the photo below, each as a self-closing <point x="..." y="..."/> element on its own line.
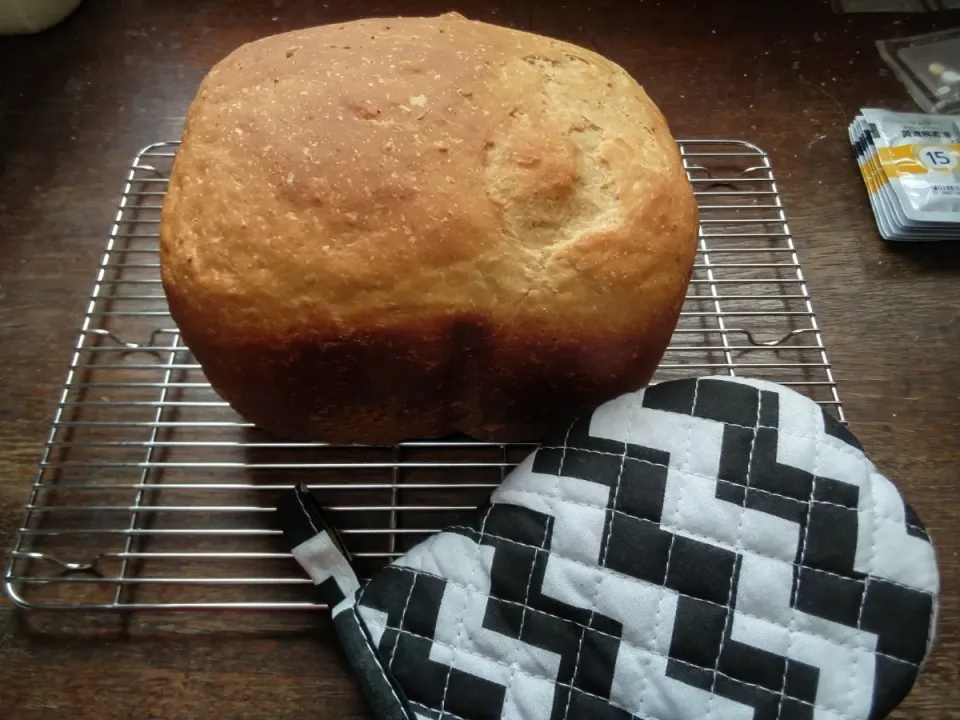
<point x="398" y="228"/>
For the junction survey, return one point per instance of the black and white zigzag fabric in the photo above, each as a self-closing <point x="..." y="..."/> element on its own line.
<point x="711" y="548"/>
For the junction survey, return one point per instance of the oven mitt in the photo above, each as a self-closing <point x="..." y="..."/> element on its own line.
<point x="712" y="548"/>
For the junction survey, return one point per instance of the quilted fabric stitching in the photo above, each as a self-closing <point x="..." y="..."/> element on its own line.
<point x="603" y="554"/>
<point x="403" y="615"/>
<point x="593" y="567"/>
<point x="856" y="663"/>
<point x="456" y="649"/>
<point x="645" y="673"/>
<point x="376" y="658"/>
<point x="841" y="446"/>
<point x="433" y="710"/>
<point x="692" y="473"/>
<point x="553" y="681"/>
<point x="374" y="652"/>
<point x="306" y="514"/>
<point x="863" y="599"/>
<point x="697" y="536"/>
<point x="819" y="444"/>
<point x="596" y="592"/>
<point x="515" y="665"/>
<point x="647" y="669"/>
<point x="736" y="547"/>
<point x="803" y="551"/>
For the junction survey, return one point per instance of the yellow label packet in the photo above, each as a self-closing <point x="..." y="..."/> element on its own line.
<point x="919" y="155"/>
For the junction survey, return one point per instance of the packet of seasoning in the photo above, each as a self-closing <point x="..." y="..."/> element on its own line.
<point x="875" y="188"/>
<point x="928" y="66"/>
<point x="909" y="163"/>
<point x="891" y="218"/>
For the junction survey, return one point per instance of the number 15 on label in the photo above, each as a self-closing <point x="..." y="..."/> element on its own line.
<point x="938" y="158"/>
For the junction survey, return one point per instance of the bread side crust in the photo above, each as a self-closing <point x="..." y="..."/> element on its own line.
<point x="398" y="228"/>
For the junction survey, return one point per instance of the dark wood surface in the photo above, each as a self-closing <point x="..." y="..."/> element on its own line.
<point x="78" y="101"/>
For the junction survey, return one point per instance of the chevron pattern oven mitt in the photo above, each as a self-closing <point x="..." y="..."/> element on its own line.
<point x="710" y="548"/>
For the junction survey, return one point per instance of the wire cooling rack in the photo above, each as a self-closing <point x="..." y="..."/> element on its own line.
<point x="152" y="494"/>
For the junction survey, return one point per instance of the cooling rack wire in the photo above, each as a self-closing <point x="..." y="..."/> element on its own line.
<point x="152" y="494"/>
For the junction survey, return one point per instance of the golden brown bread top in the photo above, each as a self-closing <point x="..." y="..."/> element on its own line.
<point x="383" y="172"/>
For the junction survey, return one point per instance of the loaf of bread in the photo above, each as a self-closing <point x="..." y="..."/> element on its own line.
<point x="399" y="228"/>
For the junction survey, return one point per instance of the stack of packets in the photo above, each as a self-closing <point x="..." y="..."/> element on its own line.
<point x="910" y="163"/>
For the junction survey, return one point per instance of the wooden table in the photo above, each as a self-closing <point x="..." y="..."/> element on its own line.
<point x="77" y="102"/>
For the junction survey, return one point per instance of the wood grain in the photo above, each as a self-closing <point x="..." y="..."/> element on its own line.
<point x="78" y="101"/>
